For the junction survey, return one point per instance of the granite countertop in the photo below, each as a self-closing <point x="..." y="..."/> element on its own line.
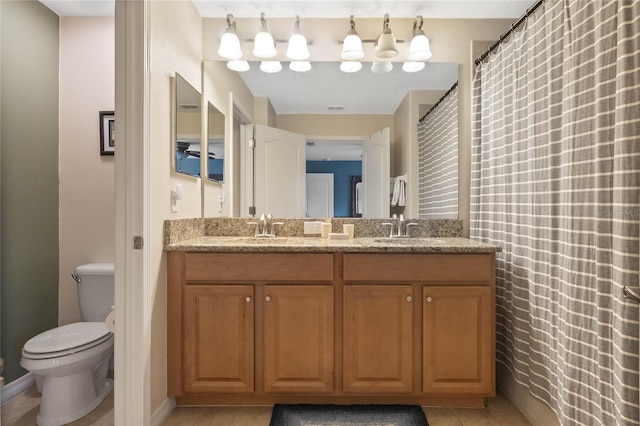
<point x="320" y="245"/>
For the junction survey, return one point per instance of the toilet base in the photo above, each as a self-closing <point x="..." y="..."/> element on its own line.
<point x="66" y="404"/>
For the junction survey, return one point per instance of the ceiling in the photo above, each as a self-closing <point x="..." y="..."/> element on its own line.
<point x="438" y="9"/>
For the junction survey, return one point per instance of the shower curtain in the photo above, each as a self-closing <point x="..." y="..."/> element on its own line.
<point x="438" y="159"/>
<point x="556" y="183"/>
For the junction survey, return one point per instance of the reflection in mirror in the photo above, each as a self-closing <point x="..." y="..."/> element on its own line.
<point x="188" y="127"/>
<point x="326" y="104"/>
<point x="215" y="143"/>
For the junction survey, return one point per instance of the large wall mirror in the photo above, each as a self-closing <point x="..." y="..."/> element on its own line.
<point x="349" y="101"/>
<point x="215" y="144"/>
<point x="188" y="128"/>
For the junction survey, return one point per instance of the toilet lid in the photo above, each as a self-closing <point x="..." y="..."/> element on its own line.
<point x="70" y="336"/>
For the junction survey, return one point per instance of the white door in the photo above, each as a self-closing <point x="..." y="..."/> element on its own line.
<point x="280" y="168"/>
<point x="376" y="174"/>
<point x="319" y="195"/>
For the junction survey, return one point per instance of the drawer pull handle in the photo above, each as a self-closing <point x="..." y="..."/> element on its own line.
<point x="429" y="299"/>
<point x="247" y="299"/>
<point x="268" y="298"/>
<point x="409" y="299"/>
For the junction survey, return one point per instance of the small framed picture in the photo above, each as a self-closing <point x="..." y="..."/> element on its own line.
<point x="107" y="133"/>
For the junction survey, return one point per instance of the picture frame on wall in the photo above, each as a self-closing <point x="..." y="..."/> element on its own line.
<point x="107" y="132"/>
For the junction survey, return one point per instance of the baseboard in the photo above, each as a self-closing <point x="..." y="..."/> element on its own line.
<point x="16" y="387"/>
<point x="163" y="411"/>
<point x="535" y="410"/>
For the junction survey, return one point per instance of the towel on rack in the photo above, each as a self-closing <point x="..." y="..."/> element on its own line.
<point x="398" y="191"/>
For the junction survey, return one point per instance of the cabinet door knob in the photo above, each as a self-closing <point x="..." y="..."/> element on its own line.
<point x="409" y="299"/>
<point x="268" y="298"/>
<point x="429" y="299"/>
<point x="247" y="299"/>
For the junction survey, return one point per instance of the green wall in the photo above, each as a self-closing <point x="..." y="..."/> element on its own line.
<point x="28" y="176"/>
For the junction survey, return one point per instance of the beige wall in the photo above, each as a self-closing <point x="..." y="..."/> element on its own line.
<point x="176" y="46"/>
<point x="334" y="124"/>
<point x="264" y="112"/>
<point x="224" y="88"/>
<point x="87" y="212"/>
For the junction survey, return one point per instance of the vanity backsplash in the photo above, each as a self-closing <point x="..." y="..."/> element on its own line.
<point x="185" y="229"/>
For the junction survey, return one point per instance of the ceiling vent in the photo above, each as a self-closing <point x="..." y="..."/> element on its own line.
<point x="335" y="107"/>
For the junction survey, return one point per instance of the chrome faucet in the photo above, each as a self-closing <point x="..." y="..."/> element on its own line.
<point x="268" y="227"/>
<point x="399" y="227"/>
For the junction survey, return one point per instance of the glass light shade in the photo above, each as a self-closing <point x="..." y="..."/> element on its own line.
<point x="230" y="45"/>
<point x="412" y="66"/>
<point x="270" y="66"/>
<point x="239" y="66"/>
<point x="350" y="66"/>
<point x="381" y="67"/>
<point x="352" y="47"/>
<point x="386" y="46"/>
<point x="419" y="49"/>
<point x="297" y="49"/>
<point x="264" y="46"/>
<point x="300" y="66"/>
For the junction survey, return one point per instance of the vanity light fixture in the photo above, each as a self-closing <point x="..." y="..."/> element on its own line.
<point x="270" y="66"/>
<point x="300" y="66"/>
<point x="350" y="66"/>
<point x="412" y="66"/>
<point x="352" y="45"/>
<point x="264" y="46"/>
<point x="419" y="49"/>
<point x="386" y="44"/>
<point x="230" y="43"/>
<point x="381" y="67"/>
<point x="239" y="66"/>
<point x="297" y="49"/>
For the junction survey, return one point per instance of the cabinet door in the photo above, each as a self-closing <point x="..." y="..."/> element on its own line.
<point x="298" y="338"/>
<point x="218" y="334"/>
<point x="378" y="334"/>
<point x="458" y="341"/>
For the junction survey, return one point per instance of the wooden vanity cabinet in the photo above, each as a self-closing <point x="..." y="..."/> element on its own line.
<point x="298" y="339"/>
<point x="458" y="349"/>
<point x="337" y="328"/>
<point x="378" y="339"/>
<point x="218" y="338"/>
<point x="232" y="330"/>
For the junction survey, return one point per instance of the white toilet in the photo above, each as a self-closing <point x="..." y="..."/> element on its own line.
<point x="71" y="362"/>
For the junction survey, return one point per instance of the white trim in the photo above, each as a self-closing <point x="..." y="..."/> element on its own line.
<point x="16" y="387"/>
<point x="163" y="411"/>
<point x="536" y="411"/>
<point x="132" y="277"/>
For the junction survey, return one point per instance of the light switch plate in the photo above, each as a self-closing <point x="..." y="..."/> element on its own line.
<point x="312" y="228"/>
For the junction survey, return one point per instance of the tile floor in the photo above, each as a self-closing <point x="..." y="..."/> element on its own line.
<point x="22" y="410"/>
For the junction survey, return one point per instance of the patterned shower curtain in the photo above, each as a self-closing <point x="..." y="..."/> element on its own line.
<point x="438" y="159"/>
<point x="556" y="183"/>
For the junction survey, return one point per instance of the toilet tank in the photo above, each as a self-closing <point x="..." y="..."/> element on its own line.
<point x="95" y="290"/>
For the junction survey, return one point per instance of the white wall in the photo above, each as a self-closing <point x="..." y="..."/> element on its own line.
<point x="87" y="212"/>
<point x="176" y="47"/>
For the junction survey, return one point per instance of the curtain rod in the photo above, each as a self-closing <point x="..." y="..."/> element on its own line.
<point x="439" y="100"/>
<point x="519" y="22"/>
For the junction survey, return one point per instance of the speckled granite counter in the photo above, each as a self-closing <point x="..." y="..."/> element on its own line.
<point x="234" y="235"/>
<point x="323" y="245"/>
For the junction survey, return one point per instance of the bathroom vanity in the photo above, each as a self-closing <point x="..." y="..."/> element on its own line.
<point x="307" y="320"/>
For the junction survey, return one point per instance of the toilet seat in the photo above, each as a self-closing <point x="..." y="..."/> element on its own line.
<point x="65" y="340"/>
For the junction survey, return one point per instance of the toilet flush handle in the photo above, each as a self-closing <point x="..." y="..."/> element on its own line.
<point x="76" y="277"/>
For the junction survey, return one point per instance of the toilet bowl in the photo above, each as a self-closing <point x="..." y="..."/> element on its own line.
<point x="72" y="361"/>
